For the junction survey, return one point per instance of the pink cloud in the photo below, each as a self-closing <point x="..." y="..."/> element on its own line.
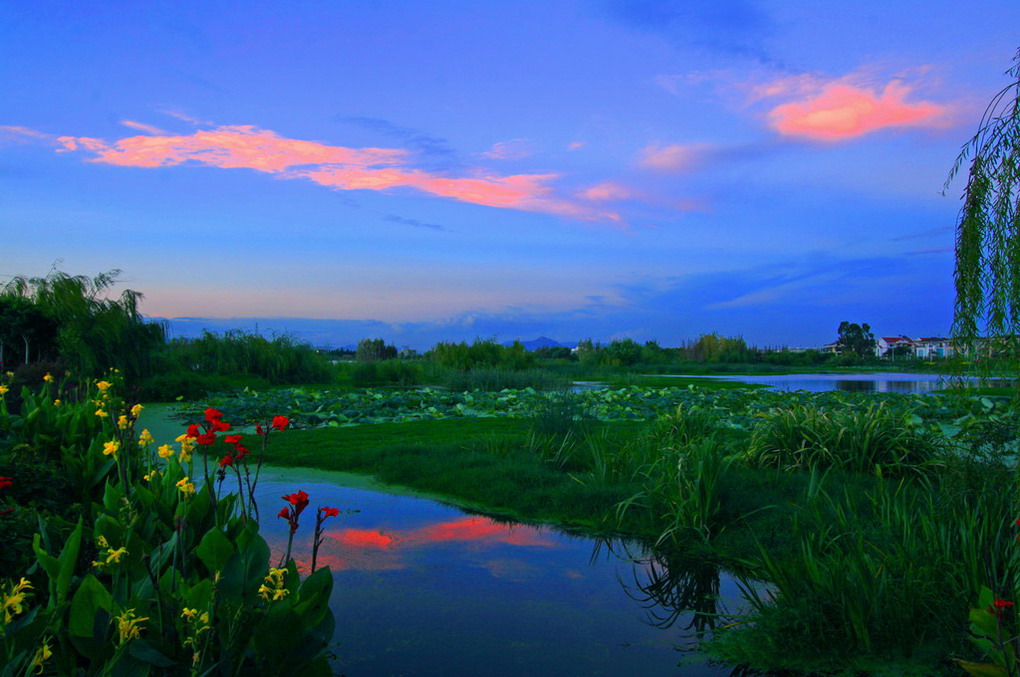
<point x="673" y="157"/>
<point x="514" y="149"/>
<point x="336" y="167"/>
<point x="576" y="145"/>
<point x="607" y="191"/>
<point x="142" y="127"/>
<point x="845" y="108"/>
<point x="21" y="134"/>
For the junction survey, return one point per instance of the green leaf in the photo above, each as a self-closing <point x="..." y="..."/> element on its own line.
<point x="982" y="669"/>
<point x="68" y="558"/>
<point x="145" y="652"/>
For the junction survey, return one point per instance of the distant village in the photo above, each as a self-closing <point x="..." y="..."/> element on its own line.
<point x="926" y="348"/>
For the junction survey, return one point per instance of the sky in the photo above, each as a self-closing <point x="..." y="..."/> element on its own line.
<point x="444" y="170"/>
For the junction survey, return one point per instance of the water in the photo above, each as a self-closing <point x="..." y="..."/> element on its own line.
<point x="424" y="588"/>
<point x="858" y="383"/>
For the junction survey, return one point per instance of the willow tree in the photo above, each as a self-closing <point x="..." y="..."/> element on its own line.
<point x="94" y="332"/>
<point x="987" y="271"/>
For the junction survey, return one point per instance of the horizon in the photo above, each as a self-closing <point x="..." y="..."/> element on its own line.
<point x="422" y="172"/>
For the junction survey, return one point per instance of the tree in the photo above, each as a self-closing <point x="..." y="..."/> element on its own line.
<point x="987" y="271"/>
<point x="370" y="350"/>
<point x="856" y="339"/>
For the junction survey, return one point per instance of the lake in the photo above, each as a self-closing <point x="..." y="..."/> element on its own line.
<point x="860" y="383"/>
<point x="425" y="588"/>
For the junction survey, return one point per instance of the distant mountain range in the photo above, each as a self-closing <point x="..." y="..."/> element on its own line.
<point x="540" y="342"/>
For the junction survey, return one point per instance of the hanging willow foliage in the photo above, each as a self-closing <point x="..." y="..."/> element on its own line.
<point x="988" y="231"/>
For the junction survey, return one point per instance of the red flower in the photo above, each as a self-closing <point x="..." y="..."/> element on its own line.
<point x="330" y="512"/>
<point x="226" y="460"/>
<point x="280" y="422"/>
<point x="218" y="426"/>
<point x="259" y="430"/>
<point x="999" y="607"/>
<point x="284" y="513"/>
<point x="299" y="500"/>
<point x="240" y="451"/>
<point x="6" y="482"/>
<point x="232" y="439"/>
<point x="206" y="438"/>
<point x="213" y="415"/>
<point x="193" y="430"/>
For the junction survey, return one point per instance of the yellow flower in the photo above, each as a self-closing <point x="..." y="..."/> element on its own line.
<point x="111" y="448"/>
<point x="122" y="422"/>
<point x="135" y="410"/>
<point x="42" y="654"/>
<point x="186" y="486"/>
<point x="113" y="556"/>
<point x="4" y="390"/>
<point x="189" y="614"/>
<point x="274" y="587"/>
<point x="102" y="542"/>
<point x="14" y="599"/>
<point x="146" y="438"/>
<point x="56" y="403"/>
<point x="48" y="377"/>
<point x="9" y="374"/>
<point x="128" y="627"/>
<point x="149" y="476"/>
<point x="103" y="386"/>
<point x="165" y="451"/>
<point x="101" y="414"/>
<point x="185" y="457"/>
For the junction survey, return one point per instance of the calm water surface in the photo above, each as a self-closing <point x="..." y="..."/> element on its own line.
<point x="424" y="588"/>
<point x="859" y="383"/>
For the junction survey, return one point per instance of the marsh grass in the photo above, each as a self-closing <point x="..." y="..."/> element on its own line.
<point x="872" y="440"/>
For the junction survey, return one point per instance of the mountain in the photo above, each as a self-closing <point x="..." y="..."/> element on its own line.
<point x="540" y="342"/>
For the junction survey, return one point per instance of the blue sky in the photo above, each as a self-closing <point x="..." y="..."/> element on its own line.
<point x="423" y="171"/>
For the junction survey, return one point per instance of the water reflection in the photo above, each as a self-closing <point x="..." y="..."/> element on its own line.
<point x="423" y="588"/>
<point x="860" y="383"/>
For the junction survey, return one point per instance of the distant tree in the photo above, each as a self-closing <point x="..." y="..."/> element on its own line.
<point x="987" y="271"/>
<point x="372" y="350"/>
<point x="624" y="351"/>
<point x="855" y="339"/>
<point x="555" y="353"/>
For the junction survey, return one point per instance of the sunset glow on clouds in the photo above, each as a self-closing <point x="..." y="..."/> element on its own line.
<point x="336" y="167"/>
<point x="839" y="109"/>
<point x="574" y="169"/>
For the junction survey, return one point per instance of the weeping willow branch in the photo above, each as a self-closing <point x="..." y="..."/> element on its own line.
<point x="987" y="271"/>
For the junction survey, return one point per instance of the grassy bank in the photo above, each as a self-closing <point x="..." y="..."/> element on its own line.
<point x="875" y="519"/>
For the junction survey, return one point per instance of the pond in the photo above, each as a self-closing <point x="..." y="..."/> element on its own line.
<point x="859" y="383"/>
<point x="425" y="588"/>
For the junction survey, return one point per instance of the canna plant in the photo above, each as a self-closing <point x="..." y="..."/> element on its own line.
<point x="162" y="573"/>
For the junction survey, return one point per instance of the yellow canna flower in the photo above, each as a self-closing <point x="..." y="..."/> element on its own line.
<point x="111" y="448"/>
<point x="186" y="486"/>
<point x="56" y="403"/>
<point x="103" y="386"/>
<point x="102" y="542"/>
<point x="128" y="627"/>
<point x="113" y="556"/>
<point x="9" y="374"/>
<point x="136" y="410"/>
<point x="48" y="377"/>
<point x="146" y="438"/>
<point x="101" y="414"/>
<point x="42" y="654"/>
<point x="273" y="586"/>
<point x="189" y="614"/>
<point x="14" y="598"/>
<point x="4" y="390"/>
<point x="122" y="422"/>
<point x="148" y="476"/>
<point x="165" y="451"/>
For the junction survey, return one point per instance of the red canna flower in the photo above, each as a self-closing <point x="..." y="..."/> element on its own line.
<point x="280" y="422"/>
<point x="299" y="500"/>
<point x="284" y="513"/>
<point x="999" y="607"/>
<point x="213" y="415"/>
<point x="6" y="482"/>
<point x="206" y="438"/>
<point x="193" y="430"/>
<point x="330" y="512"/>
<point x="218" y="426"/>
<point x="259" y="430"/>
<point x="232" y="439"/>
<point x="240" y="451"/>
<point x="227" y="460"/>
